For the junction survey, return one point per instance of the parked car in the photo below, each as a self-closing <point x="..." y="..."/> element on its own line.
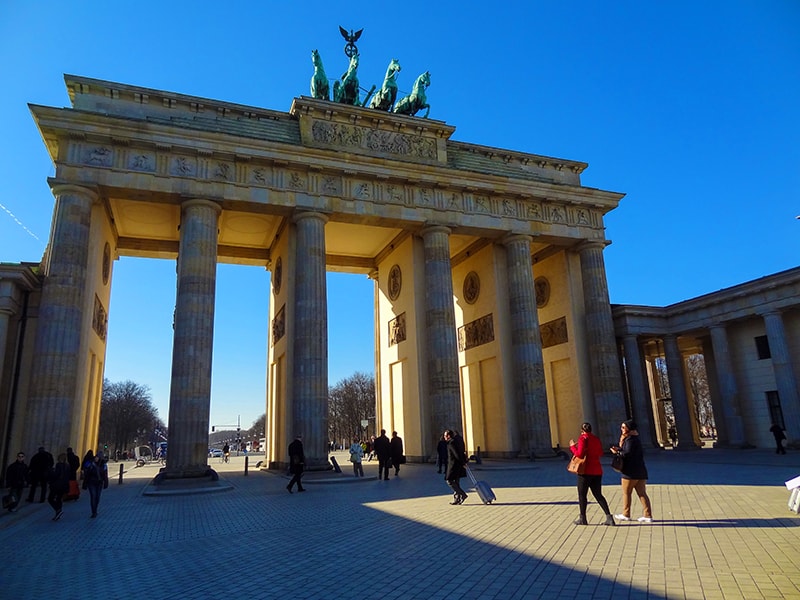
<point x="215" y="452"/>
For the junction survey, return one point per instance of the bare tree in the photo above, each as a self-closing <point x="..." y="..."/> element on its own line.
<point x="127" y="414"/>
<point x="349" y="402"/>
<point x="698" y="381"/>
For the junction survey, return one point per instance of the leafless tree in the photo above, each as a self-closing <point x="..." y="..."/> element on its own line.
<point x="698" y="382"/>
<point x="349" y="402"/>
<point x="127" y="414"/>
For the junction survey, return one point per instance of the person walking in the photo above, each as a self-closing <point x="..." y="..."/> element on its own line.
<point x="59" y="485"/>
<point x="634" y="472"/>
<point x="590" y="448"/>
<point x="95" y="480"/>
<point x="383" y="450"/>
<point x="779" y="435"/>
<point x="356" y="456"/>
<point x="38" y="471"/>
<point x="396" y="445"/>
<point x="16" y="480"/>
<point x="297" y="461"/>
<point x="456" y="465"/>
<point x="441" y="455"/>
<point x="74" y="463"/>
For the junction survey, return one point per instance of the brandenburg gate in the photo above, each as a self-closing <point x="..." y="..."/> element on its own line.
<point x="491" y="312"/>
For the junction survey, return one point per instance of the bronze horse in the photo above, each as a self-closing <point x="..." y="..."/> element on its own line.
<point x="416" y="100"/>
<point x="319" y="82"/>
<point x="385" y="97"/>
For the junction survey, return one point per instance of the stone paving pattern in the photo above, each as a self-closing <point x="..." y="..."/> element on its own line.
<point x="722" y="530"/>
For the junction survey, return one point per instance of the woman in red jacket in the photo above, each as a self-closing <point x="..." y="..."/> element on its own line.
<point x="590" y="447"/>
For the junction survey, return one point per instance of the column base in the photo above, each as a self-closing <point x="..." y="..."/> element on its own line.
<point x="186" y="482"/>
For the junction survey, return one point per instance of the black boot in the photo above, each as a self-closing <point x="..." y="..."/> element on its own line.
<point x="581" y="520"/>
<point x="609" y="520"/>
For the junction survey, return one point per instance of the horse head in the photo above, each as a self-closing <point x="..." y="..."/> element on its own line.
<point x="424" y="80"/>
<point x="393" y="70"/>
<point x="315" y="58"/>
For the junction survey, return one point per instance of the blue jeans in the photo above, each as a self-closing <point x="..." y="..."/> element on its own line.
<point x="95" y="489"/>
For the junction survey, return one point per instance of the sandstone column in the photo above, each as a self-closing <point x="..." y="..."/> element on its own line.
<point x="640" y="394"/>
<point x="606" y="378"/>
<point x="441" y="348"/>
<point x="55" y="375"/>
<point x="193" y="341"/>
<point x="677" y="389"/>
<point x="526" y="345"/>
<point x="726" y="379"/>
<point x="310" y="363"/>
<point x="784" y="376"/>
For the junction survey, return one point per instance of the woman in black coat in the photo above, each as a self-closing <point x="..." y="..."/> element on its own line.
<point x="634" y="472"/>
<point x="456" y="465"/>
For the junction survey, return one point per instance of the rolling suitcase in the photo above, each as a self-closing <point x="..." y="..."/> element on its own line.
<point x="483" y="489"/>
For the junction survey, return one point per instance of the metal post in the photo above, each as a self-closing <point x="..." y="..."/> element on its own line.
<point x="246" y="461"/>
<point x="121" y="471"/>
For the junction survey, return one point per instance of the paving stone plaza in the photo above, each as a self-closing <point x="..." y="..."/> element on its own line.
<point x="722" y="529"/>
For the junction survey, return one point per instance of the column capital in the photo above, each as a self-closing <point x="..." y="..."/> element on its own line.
<point x="511" y="238"/>
<point x="189" y="203"/>
<point x="60" y="189"/>
<point x="309" y="214"/>
<point x="592" y="244"/>
<point x="435" y="228"/>
<point x="373" y="274"/>
<point x="773" y="312"/>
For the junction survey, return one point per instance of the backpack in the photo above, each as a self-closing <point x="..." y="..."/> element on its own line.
<point x="91" y="472"/>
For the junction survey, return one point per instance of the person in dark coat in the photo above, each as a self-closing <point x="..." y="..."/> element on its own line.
<point x="39" y="469"/>
<point x="59" y="485"/>
<point x="297" y="462"/>
<point x="95" y="480"/>
<point x="74" y="464"/>
<point x="456" y="465"/>
<point x="634" y="472"/>
<point x="779" y="435"/>
<point x="441" y="455"/>
<point x="383" y="450"/>
<point x="16" y="480"/>
<point x="396" y="444"/>
<point x="590" y="448"/>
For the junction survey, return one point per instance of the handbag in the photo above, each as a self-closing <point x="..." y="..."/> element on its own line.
<point x="402" y="459"/>
<point x="576" y="465"/>
<point x="616" y="462"/>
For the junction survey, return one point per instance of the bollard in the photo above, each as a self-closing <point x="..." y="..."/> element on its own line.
<point x="246" y="461"/>
<point x="121" y="471"/>
<point x="336" y="466"/>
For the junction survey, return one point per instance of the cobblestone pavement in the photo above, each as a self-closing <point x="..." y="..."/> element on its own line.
<point x="722" y="529"/>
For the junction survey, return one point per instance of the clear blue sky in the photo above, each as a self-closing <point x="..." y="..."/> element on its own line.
<point x="690" y="108"/>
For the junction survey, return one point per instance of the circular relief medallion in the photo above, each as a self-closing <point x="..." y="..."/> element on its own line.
<point x="472" y="287"/>
<point x="395" y="282"/>
<point x="106" y="263"/>
<point x="277" y="276"/>
<point x="542" y="288"/>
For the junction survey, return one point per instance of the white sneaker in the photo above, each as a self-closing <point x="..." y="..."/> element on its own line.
<point x="622" y="518"/>
<point x="644" y="520"/>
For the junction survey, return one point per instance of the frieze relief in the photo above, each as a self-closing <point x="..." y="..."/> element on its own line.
<point x="279" y="325"/>
<point x="99" y="319"/>
<point x="374" y="140"/>
<point x="397" y="330"/>
<point x="142" y="161"/>
<point x="554" y="332"/>
<point x="476" y="333"/>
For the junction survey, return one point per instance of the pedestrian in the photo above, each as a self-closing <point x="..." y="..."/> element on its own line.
<point x="95" y="479"/>
<point x="74" y="464"/>
<point x="371" y="448"/>
<point x="297" y="461"/>
<point x="633" y="471"/>
<point x="59" y="485"/>
<point x="590" y="448"/>
<point x="356" y="455"/>
<point x="16" y="480"/>
<point x="396" y="444"/>
<point x="39" y="469"/>
<point x="441" y="455"/>
<point x="778" y="432"/>
<point x="456" y="464"/>
<point x="383" y="450"/>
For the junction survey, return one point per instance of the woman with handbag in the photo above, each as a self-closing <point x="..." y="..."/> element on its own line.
<point x="633" y="471"/>
<point x="590" y="477"/>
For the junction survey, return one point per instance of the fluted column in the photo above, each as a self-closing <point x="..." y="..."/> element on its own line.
<point x="640" y="394"/>
<point x="57" y="347"/>
<point x="444" y="393"/>
<point x="726" y="380"/>
<point x="193" y="341"/>
<point x="677" y="390"/>
<point x="310" y="364"/>
<point x="606" y="378"/>
<point x="784" y="376"/>
<point x="526" y="346"/>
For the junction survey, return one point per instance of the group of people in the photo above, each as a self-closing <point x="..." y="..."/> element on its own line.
<point x="56" y="479"/>
<point x="633" y="472"/>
